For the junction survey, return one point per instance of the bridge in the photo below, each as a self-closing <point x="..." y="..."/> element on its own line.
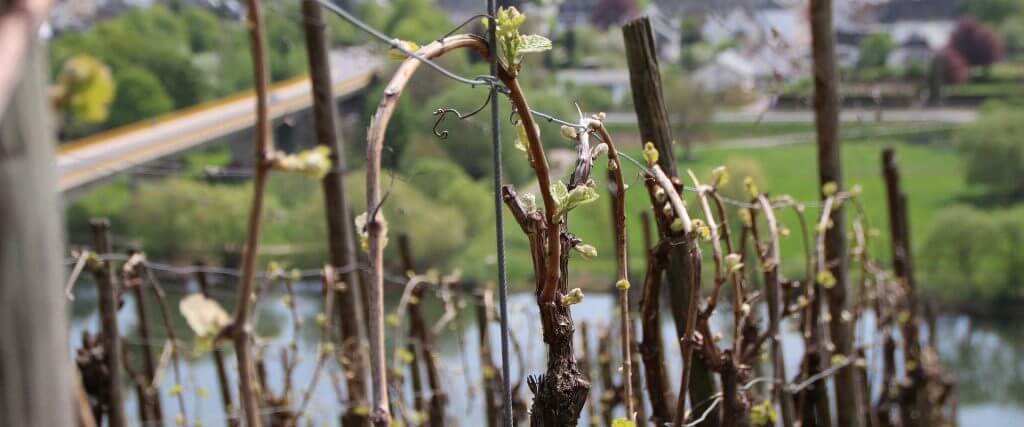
<point x="102" y="155"/>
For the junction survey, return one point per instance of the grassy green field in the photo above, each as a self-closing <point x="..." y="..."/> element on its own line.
<point x="932" y="176"/>
<point x="719" y="131"/>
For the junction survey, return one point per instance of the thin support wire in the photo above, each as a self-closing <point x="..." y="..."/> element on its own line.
<point x="397" y="44"/>
<point x="506" y="384"/>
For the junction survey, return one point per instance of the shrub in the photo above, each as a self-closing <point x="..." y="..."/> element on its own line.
<point x="1012" y="33"/>
<point x="139" y="96"/>
<point x="177" y="216"/>
<point x="875" y="49"/>
<point x="689" y="106"/>
<point x="973" y="254"/>
<point x="992" y="11"/>
<point x="449" y="185"/>
<point x="591" y="98"/>
<point x="438" y="231"/>
<point x="994" y="152"/>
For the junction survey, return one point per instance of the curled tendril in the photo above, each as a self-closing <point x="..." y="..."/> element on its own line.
<point x="465" y="23"/>
<point x="513" y="117"/>
<point x="441" y="113"/>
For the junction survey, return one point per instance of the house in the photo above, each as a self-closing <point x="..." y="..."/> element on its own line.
<point x="615" y="81"/>
<point x="930" y="20"/>
<point x="729" y="70"/>
<point x="915" y="50"/>
<point x="757" y="22"/>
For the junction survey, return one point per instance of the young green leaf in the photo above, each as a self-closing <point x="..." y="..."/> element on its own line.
<point x="578" y="196"/>
<point x="531" y="43"/>
<point x="622" y="422"/>
<point x="588" y="251"/>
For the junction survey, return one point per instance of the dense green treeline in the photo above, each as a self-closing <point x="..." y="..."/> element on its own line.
<point x="162" y="59"/>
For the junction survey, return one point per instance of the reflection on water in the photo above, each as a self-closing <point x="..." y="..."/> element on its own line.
<point x="987" y="357"/>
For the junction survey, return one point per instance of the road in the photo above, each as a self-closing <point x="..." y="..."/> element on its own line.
<point x="93" y="158"/>
<point x="937" y="115"/>
<point x="770" y="141"/>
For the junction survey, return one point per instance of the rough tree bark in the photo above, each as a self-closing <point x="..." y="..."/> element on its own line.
<point x="826" y="113"/>
<point x="653" y="120"/>
<point x="560" y="393"/>
<point x="341" y="245"/>
<point x="35" y="374"/>
<point x="149" y="396"/>
<point x="658" y="386"/>
<point x="491" y="375"/>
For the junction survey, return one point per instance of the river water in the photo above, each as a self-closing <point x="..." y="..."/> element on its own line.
<point x="986" y="357"/>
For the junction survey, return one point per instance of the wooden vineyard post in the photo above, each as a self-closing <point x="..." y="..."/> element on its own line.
<point x="149" y="396"/>
<point x="653" y="120"/>
<point x="826" y="114"/>
<point x="36" y="386"/>
<point x="901" y="253"/>
<point x="111" y="336"/>
<point x="490" y="374"/>
<point x="339" y="220"/>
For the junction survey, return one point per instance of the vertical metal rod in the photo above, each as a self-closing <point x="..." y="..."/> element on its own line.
<point x="499" y="226"/>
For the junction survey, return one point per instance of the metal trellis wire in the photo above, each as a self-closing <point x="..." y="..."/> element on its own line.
<point x="506" y="386"/>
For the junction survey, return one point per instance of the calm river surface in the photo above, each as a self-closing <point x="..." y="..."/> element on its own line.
<point x="987" y="357"/>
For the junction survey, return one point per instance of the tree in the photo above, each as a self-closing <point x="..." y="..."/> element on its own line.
<point x="1011" y="31"/>
<point x="992" y="11"/>
<point x="948" y="67"/>
<point x="204" y="29"/>
<point x="875" y="49"/>
<point x="976" y="42"/>
<point x="951" y="66"/>
<point x="690" y="109"/>
<point x="85" y="89"/>
<point x="608" y="13"/>
<point x="139" y="96"/>
<point x="994" y="152"/>
<point x="961" y="254"/>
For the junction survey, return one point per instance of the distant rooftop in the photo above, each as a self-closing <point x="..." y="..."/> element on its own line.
<point x="920" y="10"/>
<point x="680" y="7"/>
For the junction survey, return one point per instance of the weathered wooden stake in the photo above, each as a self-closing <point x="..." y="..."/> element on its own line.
<point x="586" y="366"/>
<point x="149" y="396"/>
<point x="652" y="351"/>
<point x="339" y="220"/>
<point x="826" y="113"/>
<point x="901" y="252"/>
<point x="111" y="338"/>
<point x="653" y="120"/>
<point x="491" y="376"/>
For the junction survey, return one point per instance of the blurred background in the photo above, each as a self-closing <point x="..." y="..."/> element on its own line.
<point x="151" y="98"/>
